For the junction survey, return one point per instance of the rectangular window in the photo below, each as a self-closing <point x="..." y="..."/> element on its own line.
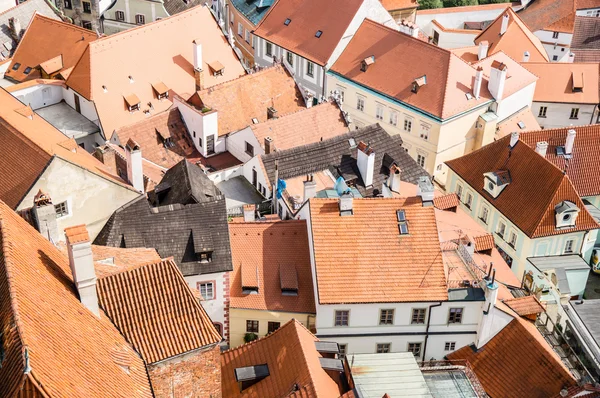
<point x="407" y="125"/>
<point x="251" y="326"/>
<point x="512" y="241"/>
<point x="543" y="110"/>
<point x="207" y="290"/>
<point x="290" y="58"/>
<point x="87" y="7"/>
<point x="418" y="316"/>
<point x="469" y="201"/>
<point x="421" y="160"/>
<point x="310" y="69"/>
<point x="379" y="112"/>
<point x="140" y="19"/>
<point x="360" y="104"/>
<point x="273" y="326"/>
<point x="484" y="215"/>
<point x="249" y="149"/>
<point x="343" y="350"/>
<point x="240" y="29"/>
<point x="68" y="4"/>
<point x="119" y="16"/>
<point x="386" y="317"/>
<point x="574" y="113"/>
<point x="455" y="315"/>
<point x="342" y="317"/>
<point x="393" y="118"/>
<point x="459" y="191"/>
<point x="247" y="36"/>
<point x="555" y="35"/>
<point x="425" y="132"/>
<point x="501" y="229"/>
<point x="86" y="24"/>
<point x="569" y="246"/>
<point x="269" y="49"/>
<point x="383" y="348"/>
<point x="555" y="58"/>
<point x="450" y="346"/>
<point x="61" y="209"/>
<point x="415" y="348"/>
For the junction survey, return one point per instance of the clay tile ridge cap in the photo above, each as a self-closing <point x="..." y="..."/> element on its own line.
<point x="131" y="144"/>
<point x="77" y="234"/>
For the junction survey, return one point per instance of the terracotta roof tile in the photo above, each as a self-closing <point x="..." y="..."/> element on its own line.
<point x="524" y="306"/>
<point x="585" y="4"/>
<point x="272" y="256"/>
<point x="484" y="242"/>
<point x="586" y="55"/>
<point x="393" y="5"/>
<point x="347" y="247"/>
<point x="306" y="18"/>
<point x="292" y="359"/>
<point x="141" y="303"/>
<point x="77" y="234"/>
<point x="537" y="187"/>
<point x="517" y="77"/>
<point x="446" y="202"/>
<point x="110" y="260"/>
<point x="452" y="10"/>
<point x="552" y="15"/>
<point x="556" y="82"/>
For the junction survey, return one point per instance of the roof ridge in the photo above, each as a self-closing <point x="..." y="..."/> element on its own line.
<point x="271" y="121"/>
<point x="528" y="33"/>
<point x="65" y="24"/>
<point x="210" y="89"/>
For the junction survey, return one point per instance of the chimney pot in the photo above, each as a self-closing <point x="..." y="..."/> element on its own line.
<point x="81" y="261"/>
<point x="269" y="147"/>
<point x="135" y="172"/>
<point x="570" y="141"/>
<point x="514" y="138"/>
<point x="482" y="50"/>
<point x="44" y="214"/>
<point x="497" y="80"/>
<point x="271" y="113"/>
<point x="249" y="213"/>
<point x="541" y="148"/>
<point x="310" y="188"/>
<point x="526" y="56"/>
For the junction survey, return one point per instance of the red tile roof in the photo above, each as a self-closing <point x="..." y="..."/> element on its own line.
<point x="484" y="242"/>
<point x="271" y="256"/>
<point x="393" y="5"/>
<point x="408" y="267"/>
<point x="154" y="308"/>
<point x="537" y="187"/>
<point x="293" y="362"/>
<point x="306" y="18"/>
<point x="110" y="260"/>
<point x="582" y="167"/>
<point x="446" y="202"/>
<point x="525" y="306"/>
<point x="479" y="7"/>
<point x="551" y="15"/>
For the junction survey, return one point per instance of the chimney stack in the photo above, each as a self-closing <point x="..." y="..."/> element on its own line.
<point x="514" y="138"/>
<point x="571" y="58"/>
<point x="526" y="56"/>
<point x="504" y="25"/>
<point x="483" y="50"/>
<point x="570" y="141"/>
<point x="249" y="213"/>
<point x="345" y="203"/>
<point x="477" y="83"/>
<point x="198" y="64"/>
<point x="135" y="172"/>
<point x="541" y="148"/>
<point x="394" y="179"/>
<point x="497" y="79"/>
<point x="272" y="113"/>
<point x="310" y="188"/>
<point x="14" y="28"/>
<point x="486" y="329"/>
<point x="81" y="261"/>
<point x="309" y="99"/>
<point x="269" y="147"/>
<point x="425" y="189"/>
<point x="414" y="31"/>
<point x="44" y="214"/>
<point x="365" y="160"/>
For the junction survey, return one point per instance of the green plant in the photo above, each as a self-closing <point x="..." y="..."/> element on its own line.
<point x="205" y="109"/>
<point x="427" y="4"/>
<point x="248" y="337"/>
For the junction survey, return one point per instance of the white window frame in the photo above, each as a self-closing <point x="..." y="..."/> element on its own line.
<point x="501" y="227"/>
<point x="247" y="36"/>
<point x="459" y="190"/>
<point x="335" y="318"/>
<point x="512" y="242"/>
<point x="289" y="58"/>
<point x="385" y="348"/>
<point x="205" y="285"/>
<point x="469" y="200"/>
<point x="408" y="125"/>
<point x="240" y="29"/>
<point x="484" y="214"/>
<point x="393" y="118"/>
<point x="67" y="207"/>
<point x="425" y="131"/>
<point x="310" y="69"/>
<point x="140" y="19"/>
<point x="267" y="47"/>
<point x="569" y="246"/>
<point x="450" y="346"/>
<point x="360" y="104"/>
<point x="379" y="112"/>
<point x="418" y="344"/>
<point x="421" y="160"/>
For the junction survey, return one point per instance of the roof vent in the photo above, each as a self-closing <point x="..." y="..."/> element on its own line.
<point x="418" y="83"/>
<point x="131" y="79"/>
<point x="495" y="182"/>
<point x="250" y="375"/>
<point x="327" y="347"/>
<point x="287" y="21"/>
<point x="365" y="63"/>
<point x="318" y="34"/>
<point x="104" y="89"/>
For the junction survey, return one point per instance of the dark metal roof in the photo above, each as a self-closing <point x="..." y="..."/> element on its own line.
<point x="332" y="364"/>
<point x="327" y="346"/>
<point x="466" y="294"/>
<point x="252" y="372"/>
<point x="254" y="10"/>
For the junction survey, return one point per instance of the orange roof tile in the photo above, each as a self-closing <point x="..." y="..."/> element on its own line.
<point x="77" y="234"/>
<point x="557" y="80"/>
<point x="52" y="65"/>
<point x="525" y="201"/>
<point x="480" y="7"/>
<point x="347" y="248"/>
<point x="484" y="242"/>
<point x="446" y="202"/>
<point x="45" y="39"/>
<point x="582" y="166"/>
<point x="504" y="370"/>
<point x="524" y="306"/>
<point x="271" y="87"/>
<point x="448" y="77"/>
<point x="44" y="321"/>
<point x="306" y="18"/>
<point x="141" y="303"/>
<point x="515" y="41"/>
<point x="110" y="260"/>
<point x="511" y="123"/>
<point x="393" y="5"/>
<point x="276" y="255"/>
<point x="303" y="127"/>
<point x="517" y="77"/>
<point x="165" y="49"/>
<point x="293" y="360"/>
<point x="551" y="15"/>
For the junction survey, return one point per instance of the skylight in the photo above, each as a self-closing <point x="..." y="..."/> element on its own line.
<point x="27" y="70"/>
<point x="401" y="215"/>
<point x="16" y="66"/>
<point x="287" y="21"/>
<point x="318" y="34"/>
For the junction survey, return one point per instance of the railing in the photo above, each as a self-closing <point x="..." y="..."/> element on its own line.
<point x="457" y="365"/>
<point x="262" y="208"/>
<point x="470" y="264"/>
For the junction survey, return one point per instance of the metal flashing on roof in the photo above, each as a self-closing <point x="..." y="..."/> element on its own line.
<point x="466" y="294"/>
<point x="252" y="372"/>
<point x="330" y="347"/>
<point x="332" y="364"/>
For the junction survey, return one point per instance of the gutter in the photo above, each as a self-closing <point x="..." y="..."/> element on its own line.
<point x="427" y="329"/>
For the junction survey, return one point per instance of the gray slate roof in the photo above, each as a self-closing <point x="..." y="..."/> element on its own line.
<point x="23" y="12"/>
<point x="176" y="6"/>
<point x="336" y="155"/>
<point x="586" y="34"/>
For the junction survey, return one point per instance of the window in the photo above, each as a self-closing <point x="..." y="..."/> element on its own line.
<point x="87" y="7"/>
<point x="219" y="328"/>
<point x="379" y="112"/>
<point x="543" y="110"/>
<point x="27" y="70"/>
<point x="310" y="69"/>
<point x="251" y="326"/>
<point x="450" y="346"/>
<point x="360" y="104"/>
<point x="273" y="326"/>
<point x="240" y="29"/>
<point x="343" y="350"/>
<point x="415" y="348"/>
<point x="393" y="118"/>
<point x="512" y="241"/>
<point x="574" y="113"/>
<point x="383" y="348"/>
<point x="119" y="15"/>
<point x="318" y="34"/>
<point x="469" y="201"/>
<point x="341" y="318"/>
<point x="87" y="24"/>
<point x="425" y="131"/>
<point x="555" y="35"/>
<point x="501" y="229"/>
<point x="140" y="19"/>
<point x="455" y="315"/>
<point x="16" y="66"/>
<point x="407" y="125"/>
<point x="421" y="160"/>
<point x="247" y="36"/>
<point x="269" y="49"/>
<point x="249" y="149"/>
<point x="231" y="18"/>
<point x="68" y="4"/>
<point x="207" y="290"/>
<point x="386" y="317"/>
<point x="205" y="257"/>
<point x="418" y="316"/>
<point x="61" y="209"/>
<point x="555" y="58"/>
<point x="290" y="58"/>
<point x="484" y="215"/>
<point x="569" y="246"/>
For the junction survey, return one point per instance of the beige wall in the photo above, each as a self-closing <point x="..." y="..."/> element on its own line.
<point x="240" y="41"/>
<point x="409" y="14"/>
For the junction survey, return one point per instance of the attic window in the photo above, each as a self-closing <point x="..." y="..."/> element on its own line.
<point x="521" y="125"/>
<point x="131" y="79"/>
<point x="577" y="82"/>
<point x="217" y="67"/>
<point x="255" y="120"/>
<point x="204" y="257"/>
<point x="16" y="66"/>
<point x="287" y="21"/>
<point x="318" y="34"/>
<point x="566" y="213"/>
<point x="104" y="89"/>
<point x="364" y="65"/>
<point x="161" y="90"/>
<point x="418" y="83"/>
<point x="27" y="70"/>
<point x="250" y="375"/>
<point x="288" y="278"/>
<point x="402" y="223"/>
<point x="133" y="102"/>
<point x="495" y="182"/>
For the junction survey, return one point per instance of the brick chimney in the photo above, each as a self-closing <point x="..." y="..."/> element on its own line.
<point x="135" y="172"/>
<point x="249" y="213"/>
<point x="483" y="49"/>
<point x="107" y="156"/>
<point x="394" y="178"/>
<point x="272" y="113"/>
<point x="44" y="215"/>
<point x="365" y="160"/>
<point x="81" y="261"/>
<point x="310" y="188"/>
<point x="198" y="65"/>
<point x="269" y="146"/>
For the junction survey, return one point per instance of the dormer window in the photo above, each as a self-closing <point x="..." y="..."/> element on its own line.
<point x="250" y="375"/>
<point x="16" y="66"/>
<point x="365" y="63"/>
<point x="133" y="102"/>
<point x="566" y="213"/>
<point x="495" y="182"/>
<point x="418" y="83"/>
<point x="204" y="257"/>
<point x="161" y="90"/>
<point x="27" y="70"/>
<point x="249" y="279"/>
<point x="288" y="279"/>
<point x="577" y="82"/>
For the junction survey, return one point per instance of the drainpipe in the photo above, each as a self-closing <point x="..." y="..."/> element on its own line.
<point x="593" y="113"/>
<point x="427" y="329"/>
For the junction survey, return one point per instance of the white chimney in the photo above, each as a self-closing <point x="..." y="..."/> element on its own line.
<point x="81" y="261"/>
<point x="483" y="50"/>
<point x="571" y="58"/>
<point x="197" y="54"/>
<point x="487" y="329"/>
<point x="345" y="203"/>
<point x="414" y="31"/>
<point x="526" y="56"/>
<point x="366" y="163"/>
<point x="309" y="100"/>
<point x="570" y="141"/>
<point x="394" y="179"/>
<point x="135" y="172"/>
<point x="477" y="82"/>
<point x="514" y="138"/>
<point x="541" y="148"/>
<point x="310" y="188"/>
<point x="504" y="25"/>
<point x="425" y="189"/>
<point x="249" y="213"/>
<point x="497" y="80"/>
<point x="44" y="214"/>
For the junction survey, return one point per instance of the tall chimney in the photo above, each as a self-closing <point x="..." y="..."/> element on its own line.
<point x="570" y="141"/>
<point x="486" y="330"/>
<point x="310" y="188"/>
<point x="504" y="25"/>
<point x="571" y="58"/>
<point x="394" y="179"/>
<point x="81" y="261"/>
<point x="345" y="203"/>
<point x="249" y="213"/>
<point x="541" y="148"/>
<point x="365" y="160"/>
<point x="14" y="28"/>
<point x="44" y="214"/>
<point x="272" y="113"/>
<point x="198" y="64"/>
<point x="483" y="50"/>
<point x="135" y="172"/>
<point x="269" y="147"/>
<point x="514" y="138"/>
<point x="309" y="100"/>
<point x="497" y="79"/>
<point x="477" y="82"/>
<point x="526" y="56"/>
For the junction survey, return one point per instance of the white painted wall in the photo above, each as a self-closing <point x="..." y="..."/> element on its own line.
<point x="558" y="114"/>
<point x="555" y="47"/>
<point x="214" y="308"/>
<point x="589" y="12"/>
<point x="226" y="174"/>
<point x="454" y="39"/>
<point x="455" y="20"/>
<point x="6" y="4"/>
<point x="515" y="102"/>
<point x="200" y="126"/>
<point x="40" y="95"/>
<point x="236" y="144"/>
